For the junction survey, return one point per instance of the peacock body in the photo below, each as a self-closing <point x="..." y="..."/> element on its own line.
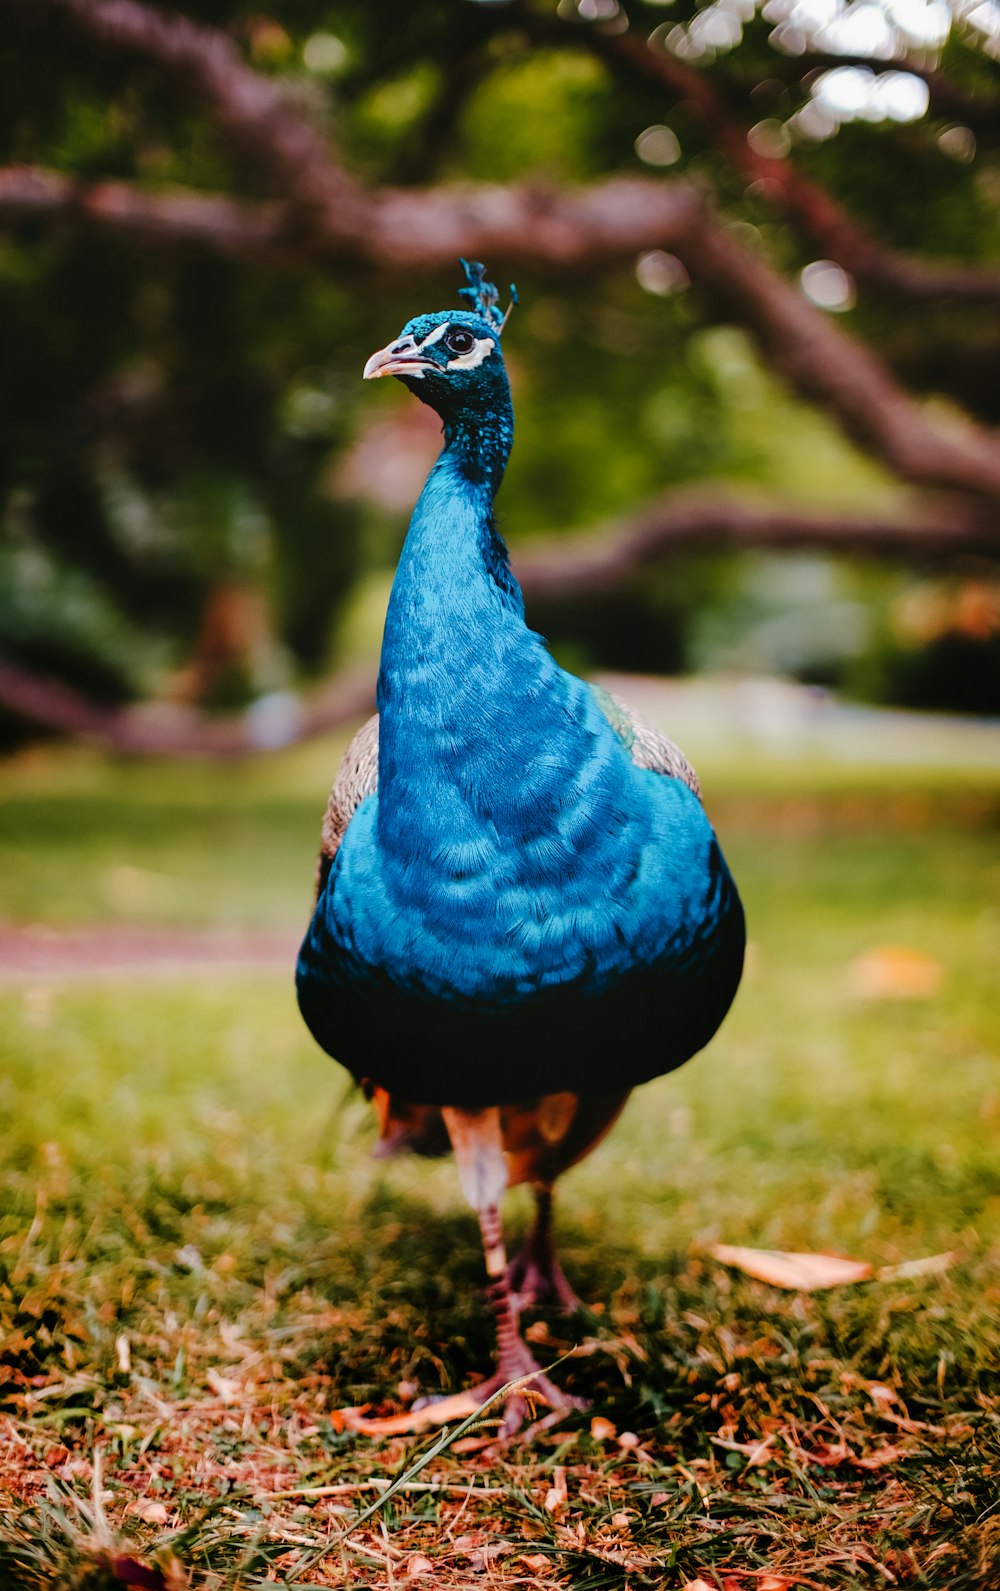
<point x="521" y="896"/>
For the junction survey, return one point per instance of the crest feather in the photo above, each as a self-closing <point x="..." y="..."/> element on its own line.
<point x="483" y="296"/>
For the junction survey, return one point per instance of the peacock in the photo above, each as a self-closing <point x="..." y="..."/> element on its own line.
<point x="522" y="910"/>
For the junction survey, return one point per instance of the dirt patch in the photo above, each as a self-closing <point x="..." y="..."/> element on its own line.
<point x="115" y="949"/>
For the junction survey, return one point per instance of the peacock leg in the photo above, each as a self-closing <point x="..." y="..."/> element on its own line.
<point x="514" y="1359"/>
<point x="534" y="1275"/>
<point x="482" y="1170"/>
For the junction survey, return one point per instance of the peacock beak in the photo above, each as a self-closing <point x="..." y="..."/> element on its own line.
<point x="401" y="358"/>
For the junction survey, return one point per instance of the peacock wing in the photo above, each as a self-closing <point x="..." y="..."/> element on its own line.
<point x="647" y="745"/>
<point x="357" y="777"/>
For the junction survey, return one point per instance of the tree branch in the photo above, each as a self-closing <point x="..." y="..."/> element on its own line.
<point x="695" y="521"/>
<point x="820" y="217"/>
<point x="165" y="730"/>
<point x="169" y="217"/>
<point x="205" y="65"/>
<point x="602" y="224"/>
<point x="260" y="121"/>
<point x="330" y="217"/>
<point x="824" y="365"/>
<point x="555" y="568"/>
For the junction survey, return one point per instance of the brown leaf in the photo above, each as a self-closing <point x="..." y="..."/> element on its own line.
<point x="226" y="1391"/>
<point x="931" y="1265"/>
<point x="417" y="1565"/>
<point x="882" y="1395"/>
<point x="830" y="1455"/>
<point x="153" y="1512"/>
<point x="536" y="1561"/>
<point x="896" y="972"/>
<point x="804" y="1273"/>
<point x="754" y="1452"/>
<point x="698" y="1585"/>
<point x="881" y="1457"/>
<point x="557" y="1495"/>
<point x="602" y="1430"/>
<point x="456" y="1407"/>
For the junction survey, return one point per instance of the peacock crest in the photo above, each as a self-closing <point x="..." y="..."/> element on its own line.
<point x="484" y="297"/>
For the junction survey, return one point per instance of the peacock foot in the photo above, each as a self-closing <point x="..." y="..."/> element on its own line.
<point x="537" y="1278"/>
<point x="522" y="1401"/>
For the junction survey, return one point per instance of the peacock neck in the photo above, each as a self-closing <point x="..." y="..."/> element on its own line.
<point x="457" y="655"/>
<point x="477" y="447"/>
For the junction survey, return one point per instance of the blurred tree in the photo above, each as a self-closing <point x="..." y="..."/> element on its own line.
<point x="211" y="215"/>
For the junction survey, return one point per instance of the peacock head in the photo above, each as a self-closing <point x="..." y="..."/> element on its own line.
<point x="451" y="359"/>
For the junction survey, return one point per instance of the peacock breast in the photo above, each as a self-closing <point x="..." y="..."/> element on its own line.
<point x="577" y="871"/>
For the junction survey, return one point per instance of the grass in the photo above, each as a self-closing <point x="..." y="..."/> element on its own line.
<point x="200" y="1265"/>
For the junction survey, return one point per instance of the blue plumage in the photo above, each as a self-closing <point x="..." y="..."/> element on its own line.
<point x="522" y="908"/>
<point x="517" y="907"/>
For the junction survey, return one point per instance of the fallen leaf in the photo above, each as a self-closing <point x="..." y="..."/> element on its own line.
<point x="799" y="1272"/>
<point x="557" y="1495"/>
<point x="536" y="1561"/>
<point x="417" y="1565"/>
<point x="620" y="1521"/>
<point x="226" y="1390"/>
<point x="472" y="1444"/>
<point x="480" y="1560"/>
<point x="881" y="1457"/>
<point x="896" y="972"/>
<point x="602" y="1430"/>
<point x="773" y="1582"/>
<point x="754" y="1452"/>
<point x="829" y="1455"/>
<point x="697" y="1585"/>
<point x="931" y="1265"/>
<point x="456" y="1407"/>
<point x="881" y="1394"/>
<point x="152" y="1512"/>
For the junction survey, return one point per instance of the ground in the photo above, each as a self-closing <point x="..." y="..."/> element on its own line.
<point x="201" y="1266"/>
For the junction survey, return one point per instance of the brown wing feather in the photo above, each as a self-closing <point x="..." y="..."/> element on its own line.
<point x="357" y="777"/>
<point x="652" y="749"/>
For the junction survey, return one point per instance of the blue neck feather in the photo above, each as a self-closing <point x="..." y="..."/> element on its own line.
<point x="456" y="654"/>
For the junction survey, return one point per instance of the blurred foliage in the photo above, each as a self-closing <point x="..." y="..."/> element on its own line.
<point x="186" y="499"/>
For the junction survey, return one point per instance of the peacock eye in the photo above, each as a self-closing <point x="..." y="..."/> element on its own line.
<point x="459" y="342"/>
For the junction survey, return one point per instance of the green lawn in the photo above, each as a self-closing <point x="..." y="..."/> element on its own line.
<point x="199" y="1262"/>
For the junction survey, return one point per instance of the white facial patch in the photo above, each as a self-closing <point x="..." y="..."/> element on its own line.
<point x="480" y="350"/>
<point x="435" y="335"/>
